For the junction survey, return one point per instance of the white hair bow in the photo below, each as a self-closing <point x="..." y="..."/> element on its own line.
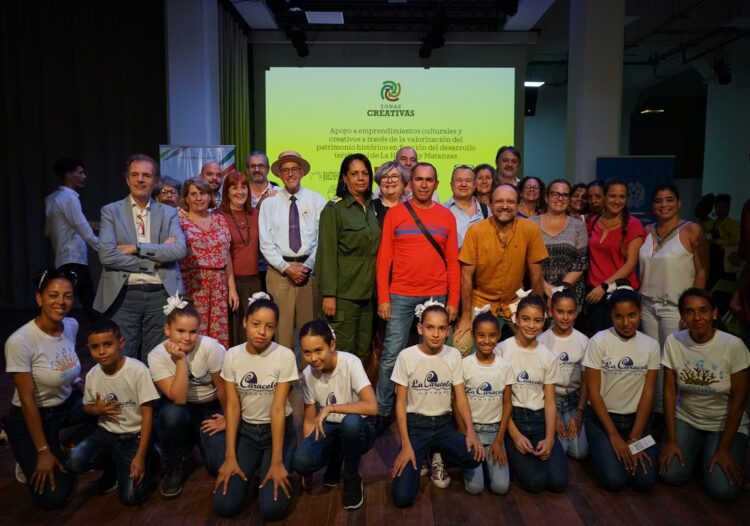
<point x="333" y="334"/>
<point x="419" y="309"/>
<point x="481" y="310"/>
<point x="513" y="307"/>
<point x="174" y="302"/>
<point x="614" y="287"/>
<point x="257" y="296"/>
<point x="559" y="288"/>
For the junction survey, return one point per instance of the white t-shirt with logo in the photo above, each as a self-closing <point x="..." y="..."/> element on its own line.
<point x="569" y="351"/>
<point x="256" y="377"/>
<point x="130" y="387"/>
<point x="206" y="358"/>
<point x="703" y="372"/>
<point x="429" y="379"/>
<point x="532" y="370"/>
<point x="484" y="385"/>
<point x="52" y="361"/>
<point x="624" y="365"/>
<point x="342" y="386"/>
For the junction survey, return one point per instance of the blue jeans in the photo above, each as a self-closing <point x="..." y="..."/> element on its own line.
<point x="396" y="338"/>
<point x="534" y="474"/>
<point x="69" y="413"/>
<point x="141" y="318"/>
<point x="609" y="471"/>
<point x="254" y="457"/>
<point x="427" y="434"/>
<point x="578" y="448"/>
<point x="180" y="430"/>
<point x="112" y="451"/>
<point x="354" y="437"/>
<point x="499" y="476"/>
<point x="699" y="446"/>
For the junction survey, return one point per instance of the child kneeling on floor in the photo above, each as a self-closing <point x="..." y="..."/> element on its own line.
<point x="118" y="391"/>
<point x="426" y="376"/>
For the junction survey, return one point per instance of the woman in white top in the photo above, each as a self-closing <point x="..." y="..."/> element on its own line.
<point x="186" y="369"/>
<point x="41" y="356"/>
<point x="338" y="400"/>
<point x="569" y="346"/>
<point x="621" y="368"/>
<point x="705" y="388"/>
<point x="534" y="453"/>
<point x="673" y="257"/>
<point x="259" y="376"/>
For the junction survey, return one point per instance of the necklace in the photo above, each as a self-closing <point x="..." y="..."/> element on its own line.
<point x="660" y="240"/>
<point x="240" y="227"/>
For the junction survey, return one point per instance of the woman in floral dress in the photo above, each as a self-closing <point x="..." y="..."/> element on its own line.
<point x="207" y="268"/>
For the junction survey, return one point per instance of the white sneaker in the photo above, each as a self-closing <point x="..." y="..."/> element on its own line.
<point x="20" y="477"/>
<point x="439" y="475"/>
<point x="425" y="469"/>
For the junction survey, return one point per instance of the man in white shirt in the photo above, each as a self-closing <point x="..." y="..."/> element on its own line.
<point x="288" y="225"/>
<point x="69" y="231"/>
<point x="261" y="188"/>
<point x="140" y="243"/>
<point x="463" y="205"/>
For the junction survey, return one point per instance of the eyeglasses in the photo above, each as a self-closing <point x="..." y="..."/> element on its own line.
<point x="467" y="166"/>
<point x="559" y="195"/>
<point x="258" y="166"/>
<point x="391" y="177"/>
<point x="49" y="274"/>
<point x="167" y="191"/>
<point x="293" y="170"/>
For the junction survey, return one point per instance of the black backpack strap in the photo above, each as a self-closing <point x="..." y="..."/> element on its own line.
<point x="424" y="230"/>
<point x="485" y="210"/>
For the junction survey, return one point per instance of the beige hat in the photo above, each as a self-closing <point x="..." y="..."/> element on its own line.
<point x="287" y="156"/>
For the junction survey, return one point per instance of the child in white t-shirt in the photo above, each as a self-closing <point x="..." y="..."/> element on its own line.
<point x="259" y="376"/>
<point x="338" y="398"/>
<point x="621" y="365"/>
<point x="427" y="376"/>
<point x="487" y="380"/>
<point x="569" y="346"/>
<point x="186" y="369"/>
<point x="119" y="391"/>
<point x="705" y="388"/>
<point x="535" y="455"/>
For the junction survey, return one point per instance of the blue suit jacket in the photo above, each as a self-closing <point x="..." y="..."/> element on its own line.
<point x="118" y="228"/>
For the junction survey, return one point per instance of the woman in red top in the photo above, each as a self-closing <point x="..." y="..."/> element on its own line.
<point x="207" y="268"/>
<point x="242" y="220"/>
<point x="614" y="241"/>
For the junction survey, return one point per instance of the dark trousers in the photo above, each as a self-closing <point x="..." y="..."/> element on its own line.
<point x="84" y="289"/>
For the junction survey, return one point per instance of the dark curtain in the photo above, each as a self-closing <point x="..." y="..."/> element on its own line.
<point x="85" y="79"/>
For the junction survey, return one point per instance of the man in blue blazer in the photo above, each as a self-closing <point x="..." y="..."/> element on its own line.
<point x="140" y="245"/>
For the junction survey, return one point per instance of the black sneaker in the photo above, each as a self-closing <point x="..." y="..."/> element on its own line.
<point x="171" y="484"/>
<point x="353" y="492"/>
<point x="332" y="477"/>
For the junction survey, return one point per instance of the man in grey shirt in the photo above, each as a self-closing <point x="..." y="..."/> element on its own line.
<point x="70" y="231"/>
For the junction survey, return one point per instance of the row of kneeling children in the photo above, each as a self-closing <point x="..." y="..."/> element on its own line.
<point x="516" y="406"/>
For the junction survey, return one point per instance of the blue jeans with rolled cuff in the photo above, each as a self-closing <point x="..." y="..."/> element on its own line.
<point x="577" y="448"/>
<point x="498" y="476"/>
<point x="610" y="472"/>
<point x="353" y="437"/>
<point x="254" y="448"/>
<point x="180" y="430"/>
<point x="427" y="434"/>
<point x="69" y="413"/>
<point x="114" y="452"/>
<point x="699" y="446"/>
<point x="534" y="474"/>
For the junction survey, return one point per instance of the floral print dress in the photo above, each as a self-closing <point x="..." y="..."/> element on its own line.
<point x="205" y="277"/>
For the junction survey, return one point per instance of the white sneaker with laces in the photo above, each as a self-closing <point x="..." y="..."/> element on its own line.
<point x="20" y="477"/>
<point x="439" y="475"/>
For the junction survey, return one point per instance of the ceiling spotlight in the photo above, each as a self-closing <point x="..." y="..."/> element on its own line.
<point x="299" y="41"/>
<point x="533" y="84"/>
<point x="436" y="37"/>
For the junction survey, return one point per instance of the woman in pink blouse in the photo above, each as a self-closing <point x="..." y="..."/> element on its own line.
<point x="614" y="241"/>
<point x="207" y="268"/>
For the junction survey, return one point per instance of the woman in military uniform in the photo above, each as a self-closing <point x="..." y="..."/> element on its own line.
<point x="349" y="236"/>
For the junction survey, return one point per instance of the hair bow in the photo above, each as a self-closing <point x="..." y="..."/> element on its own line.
<point x="481" y="310"/>
<point x="614" y="287"/>
<point x="257" y="296"/>
<point x="174" y="302"/>
<point x="559" y="288"/>
<point x="333" y="334"/>
<point x="513" y="307"/>
<point x="419" y="309"/>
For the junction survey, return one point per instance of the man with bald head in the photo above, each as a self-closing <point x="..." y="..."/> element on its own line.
<point x="495" y="255"/>
<point x="407" y="157"/>
<point x="211" y="173"/>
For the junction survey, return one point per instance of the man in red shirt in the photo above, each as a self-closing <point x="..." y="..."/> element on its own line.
<point x="410" y="270"/>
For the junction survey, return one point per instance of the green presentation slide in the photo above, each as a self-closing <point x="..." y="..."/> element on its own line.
<point x="449" y="115"/>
